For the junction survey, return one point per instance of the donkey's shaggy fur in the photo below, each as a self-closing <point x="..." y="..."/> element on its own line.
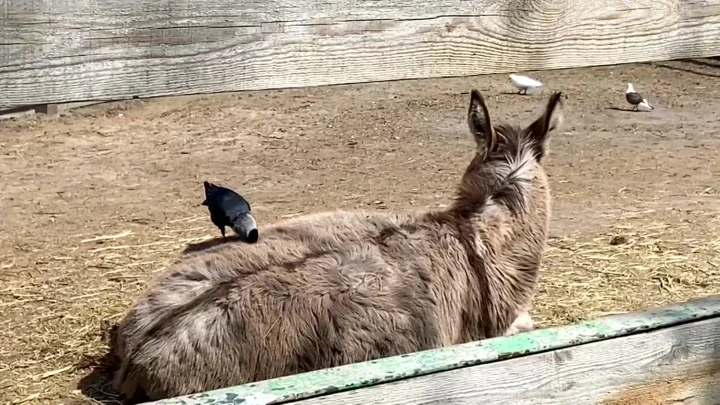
<point x="335" y="288"/>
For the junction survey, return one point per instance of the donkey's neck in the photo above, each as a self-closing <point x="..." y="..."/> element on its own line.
<point x="502" y="253"/>
<point x="498" y="283"/>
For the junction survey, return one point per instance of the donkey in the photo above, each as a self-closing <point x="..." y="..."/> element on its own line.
<point x="333" y="288"/>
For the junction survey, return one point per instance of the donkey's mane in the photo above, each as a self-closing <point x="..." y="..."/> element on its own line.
<point x="501" y="177"/>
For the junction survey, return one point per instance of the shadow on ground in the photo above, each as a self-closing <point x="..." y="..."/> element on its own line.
<point x="694" y="66"/>
<point x="97" y="384"/>
<point x="207" y="244"/>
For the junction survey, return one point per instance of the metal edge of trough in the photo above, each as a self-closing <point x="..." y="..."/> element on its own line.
<point x="358" y="375"/>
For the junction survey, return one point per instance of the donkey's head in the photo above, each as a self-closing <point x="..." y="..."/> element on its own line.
<point x="507" y="167"/>
<point x="503" y="141"/>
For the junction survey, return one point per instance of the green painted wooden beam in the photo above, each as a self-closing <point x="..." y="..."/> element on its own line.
<point x="364" y="374"/>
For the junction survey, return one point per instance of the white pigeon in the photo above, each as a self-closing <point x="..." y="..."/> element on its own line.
<point x="523" y="83"/>
<point x="636" y="100"/>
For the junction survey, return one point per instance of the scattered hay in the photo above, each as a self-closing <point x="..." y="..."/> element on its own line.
<point x="627" y="270"/>
<point x="55" y="328"/>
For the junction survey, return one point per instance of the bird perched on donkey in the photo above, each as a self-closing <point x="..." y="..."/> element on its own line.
<point x="339" y="287"/>
<point x="228" y="208"/>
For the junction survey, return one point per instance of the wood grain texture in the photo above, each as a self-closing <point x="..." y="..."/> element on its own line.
<point x="408" y="366"/>
<point x="54" y="51"/>
<point x="680" y="364"/>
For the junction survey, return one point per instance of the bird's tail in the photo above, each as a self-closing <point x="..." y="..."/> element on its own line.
<point x="246" y="228"/>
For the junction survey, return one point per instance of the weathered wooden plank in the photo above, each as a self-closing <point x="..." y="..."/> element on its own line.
<point x="679" y="364"/>
<point x="397" y="368"/>
<point x="74" y="50"/>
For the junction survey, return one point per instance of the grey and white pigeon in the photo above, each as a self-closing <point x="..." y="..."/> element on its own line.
<point x="228" y="208"/>
<point x="638" y="102"/>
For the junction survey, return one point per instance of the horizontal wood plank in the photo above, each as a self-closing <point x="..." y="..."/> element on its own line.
<point x="680" y="364"/>
<point x="365" y="375"/>
<point x="76" y="50"/>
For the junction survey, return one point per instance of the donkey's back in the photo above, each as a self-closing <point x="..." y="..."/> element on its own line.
<point x="314" y="293"/>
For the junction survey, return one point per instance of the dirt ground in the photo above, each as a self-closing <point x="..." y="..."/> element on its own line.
<point x="97" y="202"/>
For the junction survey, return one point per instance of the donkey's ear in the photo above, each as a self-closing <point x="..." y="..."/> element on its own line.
<point x="480" y="124"/>
<point x="549" y="121"/>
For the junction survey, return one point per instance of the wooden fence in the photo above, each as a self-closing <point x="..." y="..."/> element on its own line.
<point x="663" y="355"/>
<point x="55" y="51"/>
